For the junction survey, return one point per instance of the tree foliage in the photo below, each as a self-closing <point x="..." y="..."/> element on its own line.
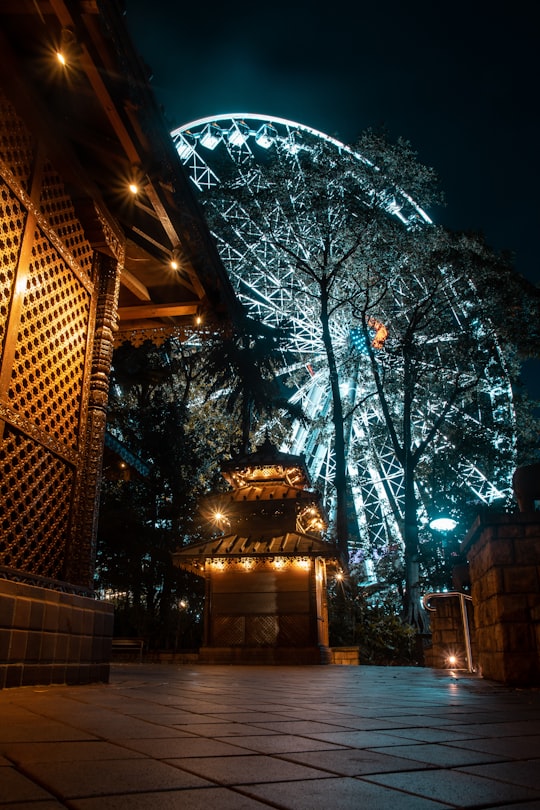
<point x="352" y="245"/>
<point x="240" y="367"/>
<point x="145" y="517"/>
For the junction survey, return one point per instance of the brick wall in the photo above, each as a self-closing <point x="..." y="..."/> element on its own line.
<point x="448" y="631"/>
<point x="47" y="636"/>
<point x="504" y="557"/>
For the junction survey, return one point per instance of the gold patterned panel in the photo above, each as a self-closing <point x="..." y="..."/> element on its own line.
<point x="261" y="631"/>
<point x="12" y="218"/>
<point x="15" y="143"/>
<point x="228" y="631"/>
<point x="48" y="369"/>
<point x="293" y="630"/>
<point x="35" y="489"/>
<point x="58" y="207"/>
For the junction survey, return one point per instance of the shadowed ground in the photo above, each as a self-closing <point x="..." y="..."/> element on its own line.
<point x="242" y="738"/>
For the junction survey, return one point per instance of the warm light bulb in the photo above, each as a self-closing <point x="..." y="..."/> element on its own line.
<point x="61" y="58"/>
<point x="134" y="188"/>
<point x="174" y="264"/>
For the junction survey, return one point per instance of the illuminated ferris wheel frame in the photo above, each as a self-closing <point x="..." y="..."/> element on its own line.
<point x="264" y="293"/>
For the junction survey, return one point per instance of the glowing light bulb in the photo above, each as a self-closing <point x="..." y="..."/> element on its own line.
<point x="443" y="524"/>
<point x="174" y="264"/>
<point x="61" y="58"/>
<point x="134" y="188"/>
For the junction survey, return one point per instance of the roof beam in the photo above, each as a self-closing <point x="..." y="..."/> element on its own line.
<point x="134" y="285"/>
<point x="156" y="311"/>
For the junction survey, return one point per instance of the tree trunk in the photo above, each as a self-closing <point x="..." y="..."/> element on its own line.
<point x="413" y="610"/>
<point x="340" y="476"/>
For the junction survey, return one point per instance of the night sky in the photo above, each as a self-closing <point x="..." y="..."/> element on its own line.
<point x="459" y="81"/>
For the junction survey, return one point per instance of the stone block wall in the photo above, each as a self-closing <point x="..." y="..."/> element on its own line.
<point x="345" y="656"/>
<point x="448" y="631"/>
<point x="504" y="557"/>
<point x="47" y="636"/>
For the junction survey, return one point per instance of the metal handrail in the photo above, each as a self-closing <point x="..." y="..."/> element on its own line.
<point x="464" y="617"/>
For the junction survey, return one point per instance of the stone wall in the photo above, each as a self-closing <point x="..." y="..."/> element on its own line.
<point x="47" y="636"/>
<point x="448" y="632"/>
<point x="504" y="557"/>
<point x="345" y="656"/>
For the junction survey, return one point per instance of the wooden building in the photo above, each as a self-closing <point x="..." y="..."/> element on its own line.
<point x="101" y="241"/>
<point x="266" y="572"/>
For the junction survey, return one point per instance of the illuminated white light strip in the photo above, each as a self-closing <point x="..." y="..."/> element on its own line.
<point x="212" y="119"/>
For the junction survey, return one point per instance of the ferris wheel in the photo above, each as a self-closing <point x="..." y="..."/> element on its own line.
<point x="240" y="146"/>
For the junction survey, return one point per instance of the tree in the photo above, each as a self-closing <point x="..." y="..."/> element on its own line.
<point x="441" y="356"/>
<point x="240" y="365"/>
<point x="145" y="517"/>
<point x="326" y="215"/>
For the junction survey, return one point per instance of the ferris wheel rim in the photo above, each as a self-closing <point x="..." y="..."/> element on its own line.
<point x="210" y="119"/>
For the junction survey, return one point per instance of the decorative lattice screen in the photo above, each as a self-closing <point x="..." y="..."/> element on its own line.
<point x="36" y="495"/>
<point x="46" y="298"/>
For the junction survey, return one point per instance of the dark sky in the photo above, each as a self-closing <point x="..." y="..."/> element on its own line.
<point x="459" y="81"/>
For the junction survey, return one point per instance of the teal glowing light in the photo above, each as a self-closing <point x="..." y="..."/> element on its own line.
<point x="358" y="340"/>
<point x="443" y="524"/>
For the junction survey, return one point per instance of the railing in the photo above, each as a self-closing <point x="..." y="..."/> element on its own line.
<point x="463" y="597"/>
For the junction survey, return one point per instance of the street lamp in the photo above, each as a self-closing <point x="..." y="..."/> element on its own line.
<point x="442" y="523"/>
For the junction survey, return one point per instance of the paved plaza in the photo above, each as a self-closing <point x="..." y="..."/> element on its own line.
<point x="248" y="738"/>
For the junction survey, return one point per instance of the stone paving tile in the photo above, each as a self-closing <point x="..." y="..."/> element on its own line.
<point x="22" y="753"/>
<point x="192" y="736"/>
<point x="433" y="735"/>
<point x="338" y="794"/>
<point x="82" y="779"/>
<point x="534" y="805"/>
<point x="40" y="730"/>
<point x="46" y="805"/>
<point x="387" y="724"/>
<point x="494" y="716"/>
<point x="360" y="739"/>
<point x="509" y="747"/>
<point x="167" y="715"/>
<point x="283" y="743"/>
<point x="15" y="787"/>
<point x="300" y="727"/>
<point x="245" y="770"/>
<point x="125" y="728"/>
<point x="511" y="729"/>
<point x="223" y="729"/>
<point x="200" y="799"/>
<point x="184" y="747"/>
<point x="518" y="773"/>
<point x="459" y="789"/>
<point x="353" y="761"/>
<point x="441" y="755"/>
<point x="250" y="717"/>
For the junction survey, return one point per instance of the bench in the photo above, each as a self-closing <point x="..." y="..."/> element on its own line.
<point x="128" y="645"/>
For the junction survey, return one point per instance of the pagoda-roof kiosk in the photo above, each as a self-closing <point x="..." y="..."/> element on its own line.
<point x="266" y="572"/>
